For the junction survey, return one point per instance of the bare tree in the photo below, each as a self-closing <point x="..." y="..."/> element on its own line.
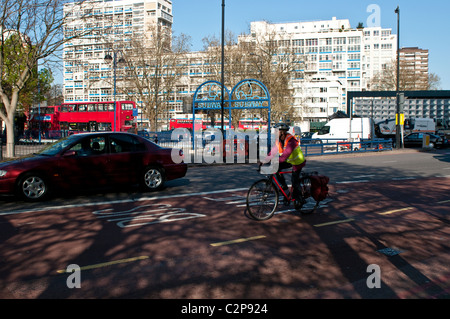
<point x="54" y="96"/>
<point x="273" y="61"/>
<point x="410" y="79"/>
<point x="267" y="59"/>
<point x="236" y="67"/>
<point x="34" y="28"/>
<point x="434" y="81"/>
<point x="152" y="70"/>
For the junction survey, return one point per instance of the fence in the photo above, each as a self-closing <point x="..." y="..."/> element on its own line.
<point x="309" y="147"/>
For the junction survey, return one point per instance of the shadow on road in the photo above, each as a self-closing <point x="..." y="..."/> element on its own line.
<point x="293" y="257"/>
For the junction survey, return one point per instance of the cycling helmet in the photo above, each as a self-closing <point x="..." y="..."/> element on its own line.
<point x="282" y="127"/>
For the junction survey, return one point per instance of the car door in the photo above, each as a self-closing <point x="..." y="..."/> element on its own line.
<point x="418" y="139"/>
<point x="85" y="162"/>
<point x="125" y="158"/>
<point x="412" y="139"/>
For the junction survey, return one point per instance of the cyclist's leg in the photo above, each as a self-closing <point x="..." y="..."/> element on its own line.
<point x="297" y="193"/>
<point x="296" y="183"/>
<point x="280" y="177"/>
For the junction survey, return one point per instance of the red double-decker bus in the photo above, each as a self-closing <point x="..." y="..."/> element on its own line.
<point x="252" y="124"/>
<point x="80" y="117"/>
<point x="96" y="116"/>
<point x="244" y="124"/>
<point x="186" y="123"/>
<point x="46" y="118"/>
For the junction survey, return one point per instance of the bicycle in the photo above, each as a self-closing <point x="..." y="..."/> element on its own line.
<point x="263" y="196"/>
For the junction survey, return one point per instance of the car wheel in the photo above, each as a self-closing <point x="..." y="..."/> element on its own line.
<point x="153" y="178"/>
<point x="32" y="187"/>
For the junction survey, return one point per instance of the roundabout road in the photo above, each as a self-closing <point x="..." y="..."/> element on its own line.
<point x="204" y="245"/>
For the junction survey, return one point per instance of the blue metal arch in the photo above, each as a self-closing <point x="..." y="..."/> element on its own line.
<point x="249" y="82"/>
<point x="205" y="84"/>
<point x="252" y="98"/>
<point x="246" y="96"/>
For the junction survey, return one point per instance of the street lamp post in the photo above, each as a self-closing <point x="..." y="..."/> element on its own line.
<point x="223" y="75"/>
<point x="39" y="109"/>
<point x="109" y="58"/>
<point x="398" y="124"/>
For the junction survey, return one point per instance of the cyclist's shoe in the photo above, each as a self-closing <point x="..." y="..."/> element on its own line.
<point x="299" y="202"/>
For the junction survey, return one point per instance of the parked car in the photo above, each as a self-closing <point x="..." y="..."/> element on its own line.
<point x="150" y="136"/>
<point x="307" y="134"/>
<point x="306" y="138"/>
<point x="91" y="160"/>
<point x="416" y="140"/>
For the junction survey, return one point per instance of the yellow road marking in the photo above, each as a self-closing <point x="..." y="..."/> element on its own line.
<point x="444" y="201"/>
<point x="235" y="241"/>
<point x="336" y="222"/>
<point x="115" y="262"/>
<point x="395" y="211"/>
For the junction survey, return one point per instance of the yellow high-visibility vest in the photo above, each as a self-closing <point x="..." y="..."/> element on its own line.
<point x="296" y="157"/>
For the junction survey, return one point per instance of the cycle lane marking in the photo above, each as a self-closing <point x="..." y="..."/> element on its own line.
<point x="111" y="202"/>
<point x="236" y="241"/>
<point x="349" y="220"/>
<point x="396" y="210"/>
<point x="108" y="263"/>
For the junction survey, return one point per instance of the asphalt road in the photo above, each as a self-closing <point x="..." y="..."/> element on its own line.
<point x="386" y="211"/>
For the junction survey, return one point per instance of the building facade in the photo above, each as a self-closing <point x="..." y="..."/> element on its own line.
<point x="418" y="104"/>
<point x="414" y="65"/>
<point x="334" y="52"/>
<point x="109" y="26"/>
<point x="336" y="58"/>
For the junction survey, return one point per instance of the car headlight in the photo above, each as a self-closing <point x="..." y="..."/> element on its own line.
<point x="2" y="173"/>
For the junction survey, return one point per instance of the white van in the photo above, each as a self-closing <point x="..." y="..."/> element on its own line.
<point x="346" y="129"/>
<point x="387" y="128"/>
<point x="420" y="125"/>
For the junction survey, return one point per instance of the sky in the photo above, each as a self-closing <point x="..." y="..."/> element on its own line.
<point x="423" y="24"/>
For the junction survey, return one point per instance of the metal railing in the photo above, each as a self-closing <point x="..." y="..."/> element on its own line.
<point x="310" y="147"/>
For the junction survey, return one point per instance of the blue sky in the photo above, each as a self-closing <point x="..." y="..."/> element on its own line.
<point x="423" y="24"/>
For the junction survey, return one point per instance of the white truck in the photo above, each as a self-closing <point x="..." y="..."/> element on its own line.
<point x="387" y="128"/>
<point x="346" y="129"/>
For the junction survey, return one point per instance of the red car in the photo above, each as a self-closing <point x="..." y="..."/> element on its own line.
<point x="92" y="160"/>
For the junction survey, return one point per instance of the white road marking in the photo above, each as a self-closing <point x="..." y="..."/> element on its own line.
<point x="42" y="209"/>
<point x="356" y="181"/>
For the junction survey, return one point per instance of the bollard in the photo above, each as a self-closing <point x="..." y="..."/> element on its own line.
<point x="426" y="141"/>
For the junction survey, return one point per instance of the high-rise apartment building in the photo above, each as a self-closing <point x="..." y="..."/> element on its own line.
<point x="414" y="66"/>
<point x="110" y="25"/>
<point x="336" y="59"/>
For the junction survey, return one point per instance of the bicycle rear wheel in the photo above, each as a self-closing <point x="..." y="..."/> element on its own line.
<point x="262" y="200"/>
<point x="306" y="204"/>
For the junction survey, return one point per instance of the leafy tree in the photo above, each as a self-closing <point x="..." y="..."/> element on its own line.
<point x="31" y="32"/>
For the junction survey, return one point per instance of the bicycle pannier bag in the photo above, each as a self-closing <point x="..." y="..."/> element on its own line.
<point x="319" y="187"/>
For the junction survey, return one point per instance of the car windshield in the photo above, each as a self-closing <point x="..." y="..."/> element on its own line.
<point x="56" y="147"/>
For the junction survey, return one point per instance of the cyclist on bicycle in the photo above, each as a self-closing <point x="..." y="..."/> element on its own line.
<point x="290" y="155"/>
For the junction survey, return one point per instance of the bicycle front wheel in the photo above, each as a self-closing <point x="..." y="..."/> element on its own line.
<point x="262" y="200"/>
